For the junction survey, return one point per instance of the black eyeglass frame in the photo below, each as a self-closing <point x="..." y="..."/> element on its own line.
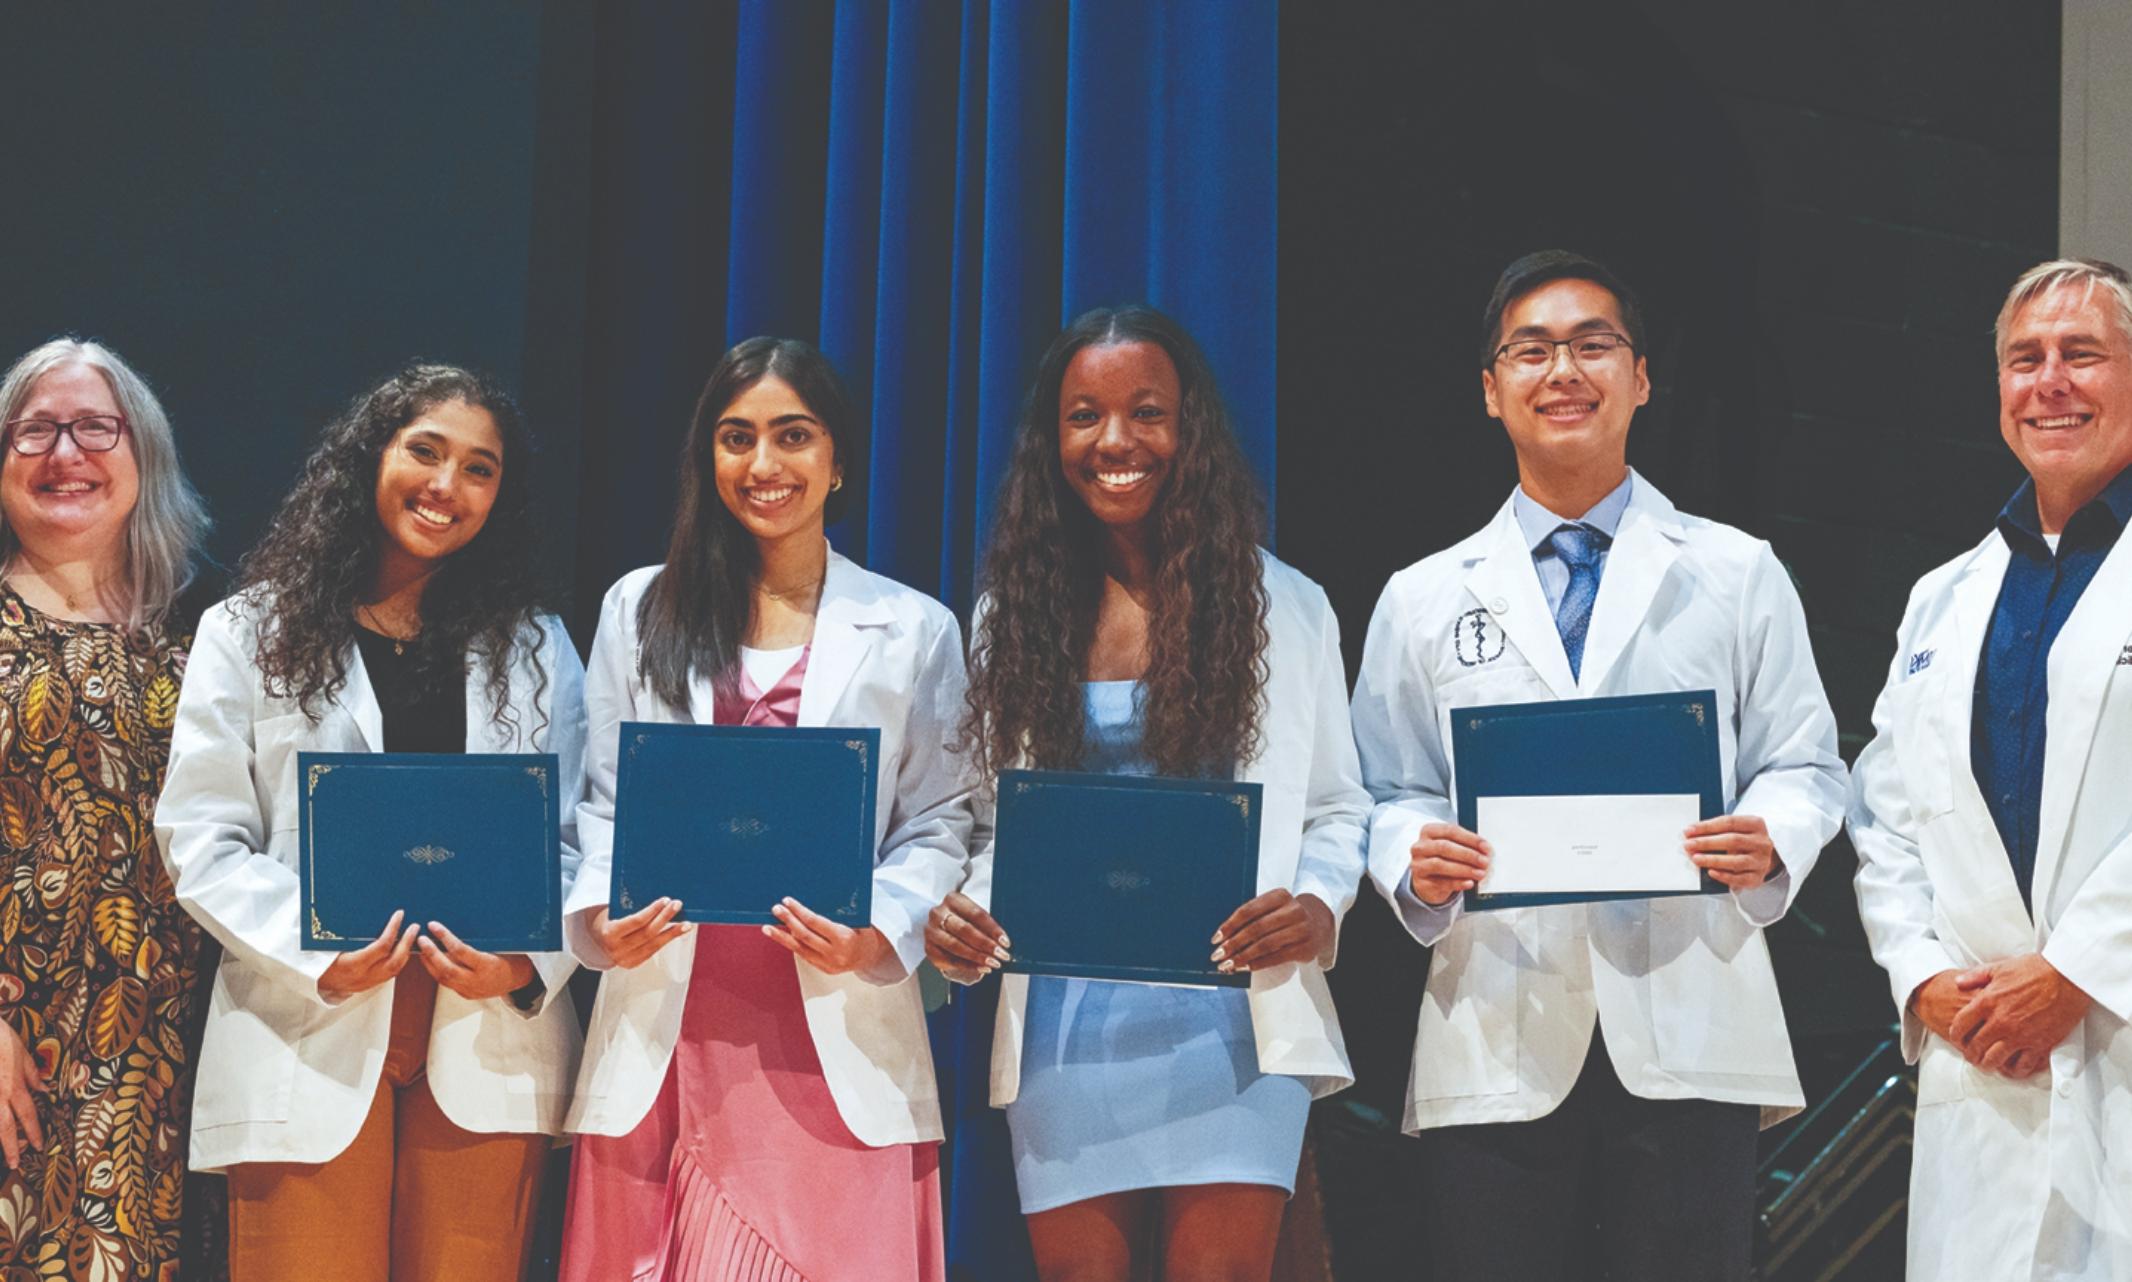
<point x="1621" y="340"/>
<point x="65" y="427"/>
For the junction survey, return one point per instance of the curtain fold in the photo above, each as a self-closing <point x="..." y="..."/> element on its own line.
<point x="928" y="190"/>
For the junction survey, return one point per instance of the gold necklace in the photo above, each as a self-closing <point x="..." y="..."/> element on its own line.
<point x="793" y="592"/>
<point x="369" y="617"/>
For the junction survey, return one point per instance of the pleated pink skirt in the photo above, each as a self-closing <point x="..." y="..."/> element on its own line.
<point x="743" y="1171"/>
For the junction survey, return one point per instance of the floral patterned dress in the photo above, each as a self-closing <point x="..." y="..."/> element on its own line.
<point x="98" y="963"/>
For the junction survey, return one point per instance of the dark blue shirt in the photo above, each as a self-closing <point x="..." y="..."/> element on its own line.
<point x="2012" y="694"/>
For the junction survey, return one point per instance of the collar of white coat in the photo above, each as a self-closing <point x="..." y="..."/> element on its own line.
<point x="1503" y="582"/>
<point x="853" y="607"/>
<point x="2082" y="662"/>
<point x="359" y="699"/>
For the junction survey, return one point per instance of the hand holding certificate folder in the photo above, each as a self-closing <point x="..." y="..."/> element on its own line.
<point x="1584" y="800"/>
<point x="1120" y="876"/>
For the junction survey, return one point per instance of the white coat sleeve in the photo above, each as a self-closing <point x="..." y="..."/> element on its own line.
<point x="925" y="852"/>
<point x="1894" y="890"/>
<point x="209" y="821"/>
<point x="610" y="699"/>
<point x="1336" y="807"/>
<point x="1404" y="765"/>
<point x="1786" y="765"/>
<point x="563" y="707"/>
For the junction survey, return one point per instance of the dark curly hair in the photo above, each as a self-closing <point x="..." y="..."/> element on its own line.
<point x="320" y="553"/>
<point x="1202" y="694"/>
<point x="698" y="609"/>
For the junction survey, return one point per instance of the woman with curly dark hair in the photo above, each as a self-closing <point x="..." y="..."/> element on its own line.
<point x="1132" y="625"/>
<point x="375" y="1118"/>
<point x="758" y="1104"/>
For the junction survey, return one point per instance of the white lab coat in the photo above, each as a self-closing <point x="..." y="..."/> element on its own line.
<point x="1681" y="987"/>
<point x="286" y="1076"/>
<point x="2010" y="1179"/>
<point x="1310" y="842"/>
<point x="885" y="656"/>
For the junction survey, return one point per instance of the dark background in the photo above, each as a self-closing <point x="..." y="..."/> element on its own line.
<point x="269" y="208"/>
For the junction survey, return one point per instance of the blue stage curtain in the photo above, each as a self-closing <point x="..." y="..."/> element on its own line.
<point x="928" y="190"/>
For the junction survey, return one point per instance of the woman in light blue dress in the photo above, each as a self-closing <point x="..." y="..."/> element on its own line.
<point x="1131" y="625"/>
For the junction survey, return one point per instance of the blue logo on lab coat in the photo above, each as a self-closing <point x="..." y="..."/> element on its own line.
<point x="1477" y="638"/>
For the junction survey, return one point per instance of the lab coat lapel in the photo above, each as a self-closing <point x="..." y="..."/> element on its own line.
<point x="1506" y="589"/>
<point x="842" y="639"/>
<point x="2083" y="661"/>
<point x="359" y="699"/>
<point x="1990" y="916"/>
<point x="1646" y="544"/>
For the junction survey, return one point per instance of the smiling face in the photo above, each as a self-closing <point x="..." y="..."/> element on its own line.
<point x="2065" y="396"/>
<point x="775" y="462"/>
<point x="437" y="480"/>
<point x="1567" y="415"/>
<point x="1118" y="406"/>
<point x="68" y="503"/>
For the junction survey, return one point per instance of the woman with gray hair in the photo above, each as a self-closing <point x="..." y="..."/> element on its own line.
<point x="98" y="964"/>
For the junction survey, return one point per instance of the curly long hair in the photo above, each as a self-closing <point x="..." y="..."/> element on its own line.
<point x="320" y="553"/>
<point x="696" y="612"/>
<point x="1201" y="699"/>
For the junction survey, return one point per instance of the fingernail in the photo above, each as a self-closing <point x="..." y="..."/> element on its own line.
<point x="1001" y="953"/>
<point x="1220" y="953"/>
<point x="1216" y="939"/>
<point x="434" y="927"/>
<point x="1244" y="967"/>
<point x="1005" y="942"/>
<point x="992" y="963"/>
<point x="1226" y="967"/>
<point x="789" y="902"/>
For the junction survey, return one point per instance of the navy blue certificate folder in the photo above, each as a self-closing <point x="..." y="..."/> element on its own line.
<point x="1629" y="745"/>
<point x="732" y="819"/>
<point x="1122" y="876"/>
<point x="466" y="840"/>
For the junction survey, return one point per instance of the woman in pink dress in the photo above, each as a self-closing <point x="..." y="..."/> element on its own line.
<point x="757" y="1103"/>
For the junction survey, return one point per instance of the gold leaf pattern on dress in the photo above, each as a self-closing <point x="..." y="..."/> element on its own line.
<point x="101" y="964"/>
<point x="44" y="706"/>
<point x="18" y="810"/>
<point x="116" y="1018"/>
<point x="160" y="704"/>
<point x="118" y="927"/>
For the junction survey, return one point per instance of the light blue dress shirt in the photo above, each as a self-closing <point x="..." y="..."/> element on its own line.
<point x="1538" y="525"/>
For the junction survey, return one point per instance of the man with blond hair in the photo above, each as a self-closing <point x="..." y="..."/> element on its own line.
<point x="1993" y="818"/>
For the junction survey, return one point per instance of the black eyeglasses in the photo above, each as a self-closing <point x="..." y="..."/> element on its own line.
<point x="92" y="433"/>
<point x="1584" y="349"/>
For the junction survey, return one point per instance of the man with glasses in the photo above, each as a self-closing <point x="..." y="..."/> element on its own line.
<point x="1589" y="1078"/>
<point x="1993" y="818"/>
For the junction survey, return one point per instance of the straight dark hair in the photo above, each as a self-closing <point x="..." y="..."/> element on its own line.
<point x="1544" y="268"/>
<point x="696" y="612"/>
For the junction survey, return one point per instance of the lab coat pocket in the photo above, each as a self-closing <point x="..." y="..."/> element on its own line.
<point x="248" y="1061"/>
<point x="1942" y="1074"/>
<point x="1467" y="1042"/>
<point x="1924" y="744"/>
<point x="1708" y="967"/>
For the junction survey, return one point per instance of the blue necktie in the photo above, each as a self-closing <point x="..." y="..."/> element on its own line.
<point x="1578" y="547"/>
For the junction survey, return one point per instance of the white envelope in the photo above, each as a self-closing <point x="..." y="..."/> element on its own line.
<point x="1578" y="845"/>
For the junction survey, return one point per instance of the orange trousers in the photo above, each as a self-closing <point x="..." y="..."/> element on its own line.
<point x="413" y="1199"/>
